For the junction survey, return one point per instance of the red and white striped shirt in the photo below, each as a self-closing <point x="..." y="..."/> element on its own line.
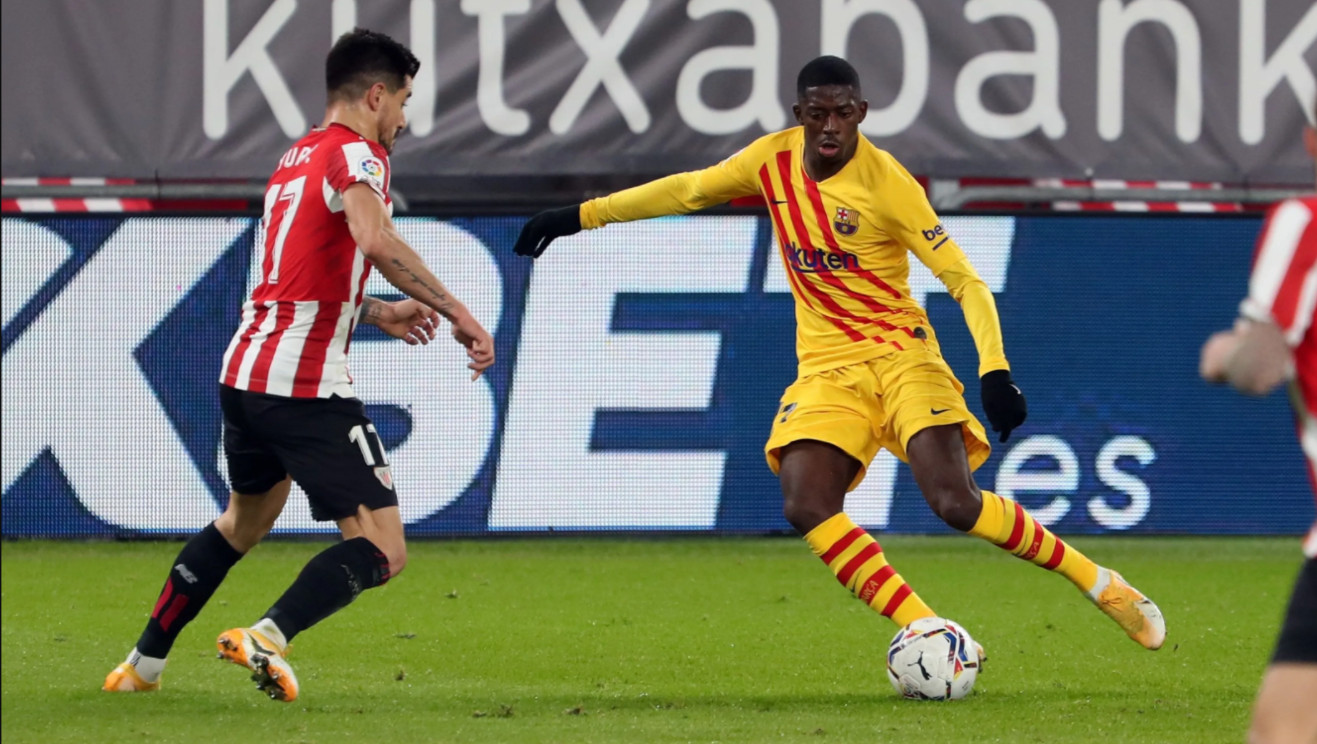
<point x="295" y="330"/>
<point x="1283" y="290"/>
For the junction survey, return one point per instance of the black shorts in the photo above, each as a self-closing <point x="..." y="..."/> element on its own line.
<point x="327" y="445"/>
<point x="1298" y="635"/>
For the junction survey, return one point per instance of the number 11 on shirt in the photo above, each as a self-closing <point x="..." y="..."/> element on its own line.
<point x="290" y="192"/>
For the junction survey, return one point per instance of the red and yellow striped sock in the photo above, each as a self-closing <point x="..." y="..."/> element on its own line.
<point x="1007" y="525"/>
<point x="857" y="560"/>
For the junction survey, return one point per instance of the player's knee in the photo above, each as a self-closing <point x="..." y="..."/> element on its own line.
<point x="805" y="514"/>
<point x="958" y="507"/>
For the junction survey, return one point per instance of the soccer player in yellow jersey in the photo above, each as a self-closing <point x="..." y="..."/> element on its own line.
<point x="871" y="375"/>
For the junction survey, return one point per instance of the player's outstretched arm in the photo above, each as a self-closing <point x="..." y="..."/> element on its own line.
<point x="377" y="239"/>
<point x="680" y="193"/>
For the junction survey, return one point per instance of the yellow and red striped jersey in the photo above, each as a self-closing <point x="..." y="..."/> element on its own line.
<point x="844" y="242"/>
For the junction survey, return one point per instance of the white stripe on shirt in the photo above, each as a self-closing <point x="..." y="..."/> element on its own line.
<point x="258" y="340"/>
<point x="1279" y="245"/>
<point x="283" y="368"/>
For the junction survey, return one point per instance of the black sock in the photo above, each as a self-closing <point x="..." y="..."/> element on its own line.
<point x="198" y="570"/>
<point x="330" y="582"/>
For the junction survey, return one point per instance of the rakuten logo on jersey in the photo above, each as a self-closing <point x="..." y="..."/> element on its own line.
<point x="812" y="260"/>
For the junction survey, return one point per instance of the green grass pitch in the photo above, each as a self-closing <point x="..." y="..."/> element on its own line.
<point x="664" y="640"/>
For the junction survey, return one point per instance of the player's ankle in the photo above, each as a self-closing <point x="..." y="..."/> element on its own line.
<point x="1101" y="580"/>
<point x="268" y="628"/>
<point x="149" y="668"/>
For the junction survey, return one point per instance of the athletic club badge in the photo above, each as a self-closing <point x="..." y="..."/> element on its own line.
<point x="385" y="475"/>
<point x="847" y="221"/>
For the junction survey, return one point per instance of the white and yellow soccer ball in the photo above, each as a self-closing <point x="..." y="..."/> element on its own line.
<point x="933" y="659"/>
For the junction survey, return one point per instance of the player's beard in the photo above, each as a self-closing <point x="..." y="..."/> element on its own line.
<point x="388" y="146"/>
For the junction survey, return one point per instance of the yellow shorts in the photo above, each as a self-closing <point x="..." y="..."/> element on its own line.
<point x="879" y="403"/>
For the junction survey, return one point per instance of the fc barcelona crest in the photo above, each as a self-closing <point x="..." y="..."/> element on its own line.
<point x="847" y="221"/>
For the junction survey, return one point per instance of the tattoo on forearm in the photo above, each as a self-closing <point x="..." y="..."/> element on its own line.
<point x="370" y="312"/>
<point x="439" y="300"/>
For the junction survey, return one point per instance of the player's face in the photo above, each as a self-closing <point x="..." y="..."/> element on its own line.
<point x="831" y="116"/>
<point x="393" y="115"/>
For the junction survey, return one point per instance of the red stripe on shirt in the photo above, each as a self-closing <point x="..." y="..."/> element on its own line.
<point x="771" y="197"/>
<point x="831" y="305"/>
<point x="1286" y="305"/>
<point x="835" y="281"/>
<point x="824" y="273"/>
<point x="260" y="376"/>
<point x="361" y="295"/>
<point x="235" y="363"/>
<point x="310" y="368"/>
<point x="802" y="233"/>
<point x="793" y="206"/>
<point x="825" y="226"/>
<point x="797" y="281"/>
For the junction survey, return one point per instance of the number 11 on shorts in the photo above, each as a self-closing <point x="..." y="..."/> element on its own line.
<point x="364" y="436"/>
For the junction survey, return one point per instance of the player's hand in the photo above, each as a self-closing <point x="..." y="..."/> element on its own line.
<point x="479" y="344"/>
<point x="544" y="227"/>
<point x="1003" y="402"/>
<point x="409" y="320"/>
<point x="1216" y="352"/>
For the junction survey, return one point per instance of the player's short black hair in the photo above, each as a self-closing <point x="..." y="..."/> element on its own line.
<point x="826" y="70"/>
<point x="361" y="58"/>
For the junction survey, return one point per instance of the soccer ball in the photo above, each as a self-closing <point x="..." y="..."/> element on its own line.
<point x="933" y="659"/>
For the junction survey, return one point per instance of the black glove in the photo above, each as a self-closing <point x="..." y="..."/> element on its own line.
<point x="1003" y="402"/>
<point x="541" y="230"/>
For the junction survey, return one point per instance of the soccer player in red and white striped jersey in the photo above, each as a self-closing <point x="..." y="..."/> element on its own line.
<point x="289" y="409"/>
<point x="1275" y="340"/>
<point x="294" y="334"/>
